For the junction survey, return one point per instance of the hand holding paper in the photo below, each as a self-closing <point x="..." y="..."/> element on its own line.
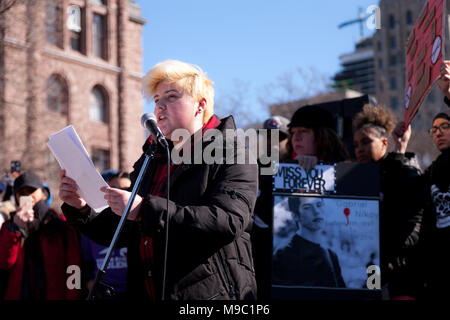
<point x="68" y="191"/>
<point x="118" y="200"/>
<point x="68" y="149"/>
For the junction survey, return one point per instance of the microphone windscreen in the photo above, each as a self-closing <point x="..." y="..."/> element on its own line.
<point x="147" y="116"/>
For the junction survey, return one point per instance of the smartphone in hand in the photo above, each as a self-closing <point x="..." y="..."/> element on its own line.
<point x="26" y="202"/>
<point x="15" y="166"/>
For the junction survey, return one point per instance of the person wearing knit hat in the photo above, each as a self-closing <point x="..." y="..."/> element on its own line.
<point x="280" y="123"/>
<point x="312" y="117"/>
<point x="37" y="247"/>
<point x="313" y="139"/>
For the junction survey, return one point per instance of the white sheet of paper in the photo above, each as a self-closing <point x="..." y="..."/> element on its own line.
<point x="72" y="156"/>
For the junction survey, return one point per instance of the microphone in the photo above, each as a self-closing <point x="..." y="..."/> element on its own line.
<point x="148" y="121"/>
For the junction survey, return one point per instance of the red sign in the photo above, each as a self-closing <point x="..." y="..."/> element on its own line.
<point x="424" y="55"/>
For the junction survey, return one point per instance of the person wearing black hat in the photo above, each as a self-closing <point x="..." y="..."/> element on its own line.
<point x="313" y="139"/>
<point x="37" y="246"/>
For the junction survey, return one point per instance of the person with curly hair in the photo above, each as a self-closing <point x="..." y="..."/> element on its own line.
<point x="401" y="207"/>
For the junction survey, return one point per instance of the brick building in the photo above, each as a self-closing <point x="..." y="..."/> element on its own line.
<point x="70" y="62"/>
<point x="397" y="21"/>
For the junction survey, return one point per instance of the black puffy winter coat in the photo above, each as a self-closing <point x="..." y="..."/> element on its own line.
<point x="436" y="228"/>
<point x="210" y="213"/>
<point x="401" y="211"/>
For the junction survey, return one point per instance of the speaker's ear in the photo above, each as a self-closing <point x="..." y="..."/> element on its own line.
<point x="201" y="106"/>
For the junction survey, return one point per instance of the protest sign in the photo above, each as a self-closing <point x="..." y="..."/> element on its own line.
<point x="424" y="55"/>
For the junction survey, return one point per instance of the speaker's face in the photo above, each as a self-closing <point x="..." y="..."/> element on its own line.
<point x="174" y="109"/>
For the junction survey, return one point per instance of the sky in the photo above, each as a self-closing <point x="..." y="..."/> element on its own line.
<point x="244" y="46"/>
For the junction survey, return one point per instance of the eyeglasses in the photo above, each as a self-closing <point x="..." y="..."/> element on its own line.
<point x="443" y="127"/>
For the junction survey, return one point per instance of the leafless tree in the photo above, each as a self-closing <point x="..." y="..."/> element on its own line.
<point x="294" y="85"/>
<point x="238" y="103"/>
<point x="289" y="86"/>
<point x="5" y="5"/>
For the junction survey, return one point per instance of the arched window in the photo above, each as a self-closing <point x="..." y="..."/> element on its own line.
<point x="57" y="94"/>
<point x="98" y="105"/>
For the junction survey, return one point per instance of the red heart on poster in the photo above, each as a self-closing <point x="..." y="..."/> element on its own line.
<point x="347" y="213"/>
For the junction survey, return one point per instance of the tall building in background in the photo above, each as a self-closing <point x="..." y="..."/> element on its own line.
<point x="357" y="69"/>
<point x="72" y="62"/>
<point x="397" y="21"/>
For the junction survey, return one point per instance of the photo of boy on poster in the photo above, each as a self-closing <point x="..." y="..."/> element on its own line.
<point x="326" y="243"/>
<point x="309" y="263"/>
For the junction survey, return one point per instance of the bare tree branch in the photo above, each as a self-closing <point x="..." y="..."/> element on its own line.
<point x="5" y="5"/>
<point x="294" y="85"/>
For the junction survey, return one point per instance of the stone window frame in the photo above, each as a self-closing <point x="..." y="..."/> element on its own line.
<point x="102" y="11"/>
<point x="82" y="34"/>
<point x="54" y="26"/>
<point x="105" y="97"/>
<point x="57" y="98"/>
<point x="98" y="154"/>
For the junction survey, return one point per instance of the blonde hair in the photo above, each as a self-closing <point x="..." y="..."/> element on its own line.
<point x="377" y="117"/>
<point x="187" y="76"/>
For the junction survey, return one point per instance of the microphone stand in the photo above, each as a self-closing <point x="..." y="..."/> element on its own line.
<point x="149" y="154"/>
<point x="166" y="242"/>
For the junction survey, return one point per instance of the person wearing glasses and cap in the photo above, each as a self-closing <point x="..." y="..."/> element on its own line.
<point x="435" y="238"/>
<point x="436" y="224"/>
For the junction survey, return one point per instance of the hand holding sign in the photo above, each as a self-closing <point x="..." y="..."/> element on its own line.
<point x="306" y="162"/>
<point x="444" y="79"/>
<point x="401" y="136"/>
<point x="424" y="55"/>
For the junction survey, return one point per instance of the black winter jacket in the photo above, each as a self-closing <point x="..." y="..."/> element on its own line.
<point x="210" y="213"/>
<point x="436" y="228"/>
<point x="401" y="211"/>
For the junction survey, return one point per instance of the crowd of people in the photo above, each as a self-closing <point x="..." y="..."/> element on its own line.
<point x="221" y="214"/>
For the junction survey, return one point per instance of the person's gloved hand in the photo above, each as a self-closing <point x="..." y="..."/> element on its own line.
<point x="444" y="79"/>
<point x="306" y="162"/>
